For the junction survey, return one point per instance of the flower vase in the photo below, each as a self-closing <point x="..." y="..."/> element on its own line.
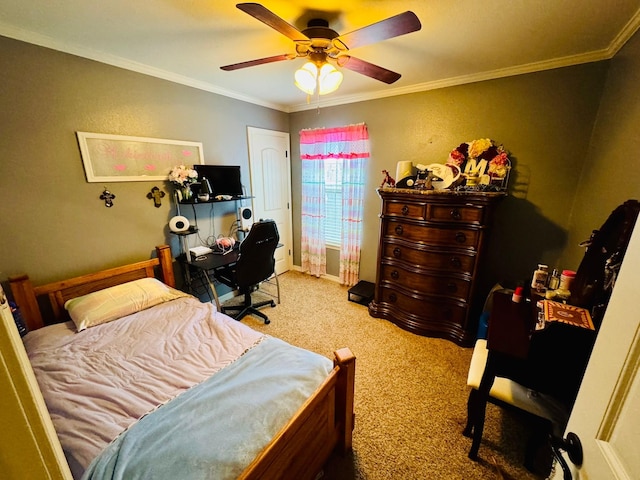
<point x="186" y="193"/>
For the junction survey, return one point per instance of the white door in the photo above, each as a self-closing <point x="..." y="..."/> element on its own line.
<point x="270" y="171"/>
<point x="606" y="416"/>
<point x="29" y="444"/>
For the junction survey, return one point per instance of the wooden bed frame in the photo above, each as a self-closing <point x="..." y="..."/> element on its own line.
<point x="324" y="424"/>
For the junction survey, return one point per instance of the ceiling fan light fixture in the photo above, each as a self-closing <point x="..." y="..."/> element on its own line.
<point x="325" y="77"/>
<point x="306" y="78"/>
<point x="330" y="79"/>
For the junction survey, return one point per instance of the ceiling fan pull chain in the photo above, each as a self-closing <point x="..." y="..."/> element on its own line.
<point x="318" y="92"/>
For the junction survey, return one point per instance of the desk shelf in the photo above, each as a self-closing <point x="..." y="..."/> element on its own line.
<point x="196" y="201"/>
<point x="211" y="201"/>
<point x="186" y="233"/>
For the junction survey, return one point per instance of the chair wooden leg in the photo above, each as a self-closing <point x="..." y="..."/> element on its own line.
<point x="477" y="406"/>
<point x="468" y="429"/>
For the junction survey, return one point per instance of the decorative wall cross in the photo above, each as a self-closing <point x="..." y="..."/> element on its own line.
<point x="156" y="194"/>
<point x="108" y="197"/>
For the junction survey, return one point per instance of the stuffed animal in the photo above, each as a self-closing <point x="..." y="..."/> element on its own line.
<point x="388" y="179"/>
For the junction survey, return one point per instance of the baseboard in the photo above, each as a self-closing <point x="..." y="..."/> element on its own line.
<point x="332" y="278"/>
<point x="227" y="296"/>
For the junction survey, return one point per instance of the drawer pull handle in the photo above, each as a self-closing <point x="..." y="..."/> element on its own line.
<point x="397" y="252"/>
<point x="393" y="298"/>
<point x="455" y="214"/>
<point x="399" y="230"/>
<point x="461" y="237"/>
<point x="405" y="210"/>
<point x="452" y="287"/>
<point x="395" y="275"/>
<point x="455" y="262"/>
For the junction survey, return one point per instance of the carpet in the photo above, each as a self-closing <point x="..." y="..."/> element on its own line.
<point x="411" y="393"/>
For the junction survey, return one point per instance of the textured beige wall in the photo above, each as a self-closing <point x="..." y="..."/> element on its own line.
<point x="544" y="119"/>
<point x="612" y="170"/>
<point x="52" y="222"/>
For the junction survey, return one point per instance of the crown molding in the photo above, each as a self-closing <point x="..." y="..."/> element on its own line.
<point x="116" y="61"/>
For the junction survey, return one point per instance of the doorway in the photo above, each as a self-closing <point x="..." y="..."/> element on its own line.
<point x="270" y="174"/>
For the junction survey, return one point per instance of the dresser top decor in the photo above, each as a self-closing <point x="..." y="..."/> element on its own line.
<point x="480" y="165"/>
<point x="483" y="163"/>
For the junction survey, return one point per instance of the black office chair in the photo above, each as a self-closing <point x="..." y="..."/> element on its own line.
<point x="255" y="264"/>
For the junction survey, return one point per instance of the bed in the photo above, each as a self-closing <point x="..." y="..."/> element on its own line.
<point x="173" y="388"/>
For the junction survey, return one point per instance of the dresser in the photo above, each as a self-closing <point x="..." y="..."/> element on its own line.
<point x="430" y="252"/>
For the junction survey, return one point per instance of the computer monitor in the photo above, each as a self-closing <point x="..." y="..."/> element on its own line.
<point x="224" y="179"/>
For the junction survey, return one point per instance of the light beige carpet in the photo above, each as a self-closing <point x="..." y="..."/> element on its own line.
<point x="411" y="392"/>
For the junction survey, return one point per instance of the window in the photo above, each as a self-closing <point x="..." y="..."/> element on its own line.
<point x="333" y="199"/>
<point x="334" y="162"/>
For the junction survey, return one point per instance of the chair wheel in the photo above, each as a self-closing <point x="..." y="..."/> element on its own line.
<point x="267" y="321"/>
<point x="273" y="304"/>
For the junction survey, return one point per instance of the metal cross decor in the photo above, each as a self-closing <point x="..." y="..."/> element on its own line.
<point x="156" y="194"/>
<point x="108" y="197"/>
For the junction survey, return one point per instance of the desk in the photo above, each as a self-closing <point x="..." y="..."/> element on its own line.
<point x="550" y="361"/>
<point x="208" y="263"/>
<point x="211" y="262"/>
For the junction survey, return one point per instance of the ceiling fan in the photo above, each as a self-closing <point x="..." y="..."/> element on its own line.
<point x="322" y="45"/>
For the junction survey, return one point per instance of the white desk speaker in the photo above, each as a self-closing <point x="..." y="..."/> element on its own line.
<point x="179" y="224"/>
<point x="246" y="217"/>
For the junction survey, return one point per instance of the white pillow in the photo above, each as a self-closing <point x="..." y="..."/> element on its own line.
<point x="119" y="301"/>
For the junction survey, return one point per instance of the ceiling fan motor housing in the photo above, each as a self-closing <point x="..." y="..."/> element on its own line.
<point x="320" y="36"/>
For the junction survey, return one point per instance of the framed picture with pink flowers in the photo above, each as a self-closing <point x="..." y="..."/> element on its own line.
<point x="120" y="158"/>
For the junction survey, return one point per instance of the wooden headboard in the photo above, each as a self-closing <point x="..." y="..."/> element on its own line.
<point x="26" y="295"/>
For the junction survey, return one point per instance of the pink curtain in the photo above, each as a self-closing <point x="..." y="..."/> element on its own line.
<point x="349" y="144"/>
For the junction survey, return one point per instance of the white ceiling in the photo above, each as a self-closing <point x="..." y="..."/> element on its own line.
<point x="461" y="41"/>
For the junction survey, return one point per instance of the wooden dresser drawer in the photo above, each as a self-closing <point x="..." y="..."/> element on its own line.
<point x="430" y="260"/>
<point x="449" y="236"/>
<point x="444" y="285"/>
<point x="414" y="210"/>
<point x="427" y="309"/>
<point x="456" y="213"/>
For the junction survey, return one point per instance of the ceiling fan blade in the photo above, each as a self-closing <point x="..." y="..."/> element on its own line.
<point x="368" y="69"/>
<point x="395" y="26"/>
<point x="259" y="61"/>
<point x="267" y="17"/>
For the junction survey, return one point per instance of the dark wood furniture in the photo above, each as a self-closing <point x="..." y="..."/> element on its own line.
<point x="323" y="424"/>
<point x="508" y="340"/>
<point x="553" y="360"/>
<point x="431" y="245"/>
<point x="550" y="361"/>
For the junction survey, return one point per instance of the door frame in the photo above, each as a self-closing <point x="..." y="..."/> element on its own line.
<point x="254" y="131"/>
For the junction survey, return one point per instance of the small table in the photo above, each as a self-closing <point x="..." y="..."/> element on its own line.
<point x="550" y="361"/>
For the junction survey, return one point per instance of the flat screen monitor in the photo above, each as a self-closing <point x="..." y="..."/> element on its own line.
<point x="224" y="179"/>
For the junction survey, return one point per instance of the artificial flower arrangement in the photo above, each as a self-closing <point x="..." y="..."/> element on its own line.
<point x="183" y="176"/>
<point x="484" y="159"/>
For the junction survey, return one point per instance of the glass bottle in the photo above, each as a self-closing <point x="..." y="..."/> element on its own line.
<point x="554" y="280"/>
